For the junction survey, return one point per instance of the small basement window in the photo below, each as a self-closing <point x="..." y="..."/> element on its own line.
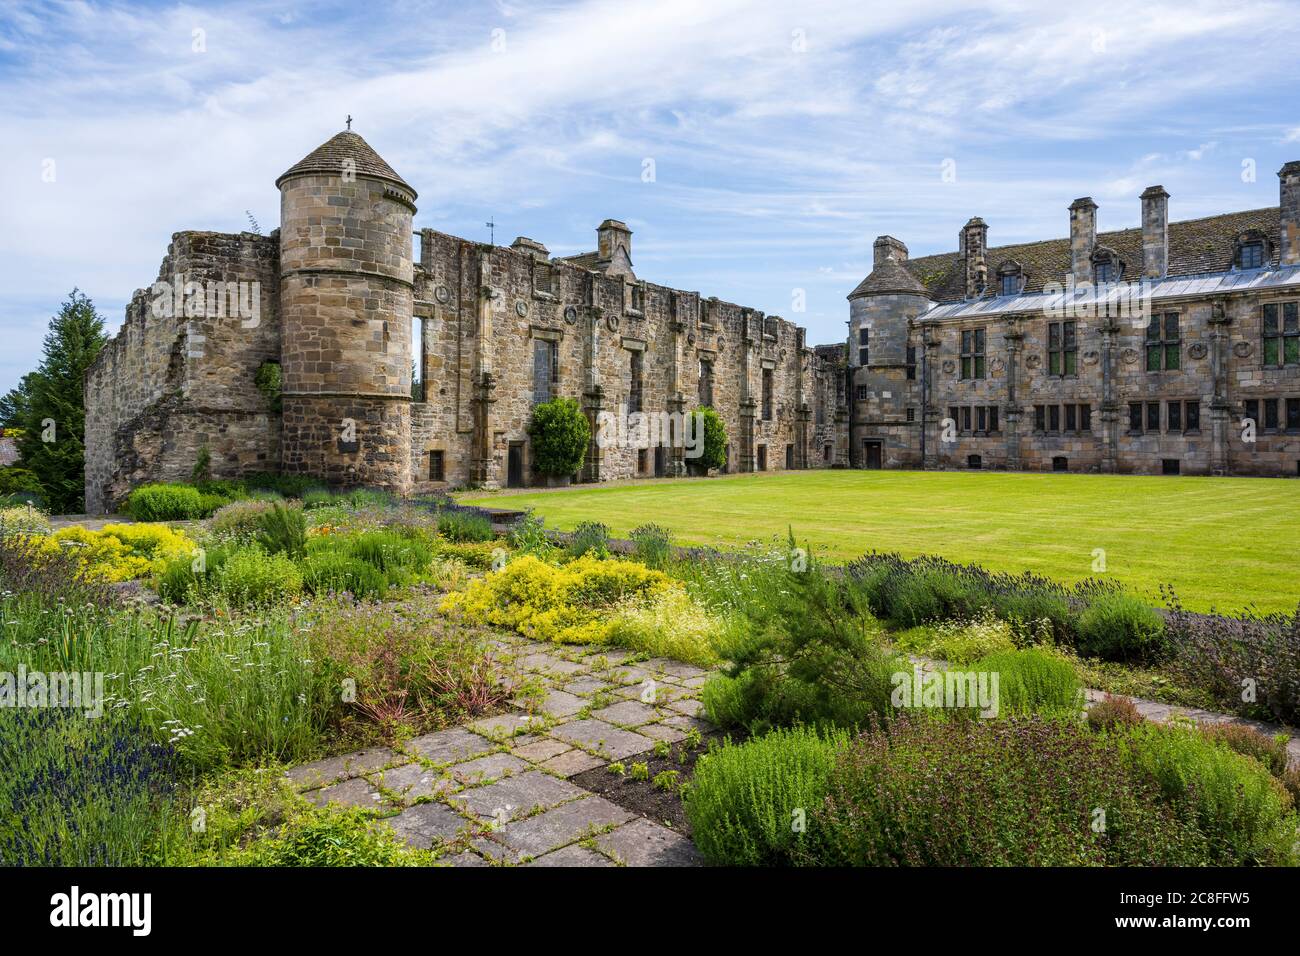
<point x="1060" y="463"/>
<point x="974" y="461"/>
<point x="1169" y="466"/>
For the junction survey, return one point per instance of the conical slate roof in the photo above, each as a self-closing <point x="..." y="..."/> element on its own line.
<point x="330" y="156"/>
<point x="889" y="276"/>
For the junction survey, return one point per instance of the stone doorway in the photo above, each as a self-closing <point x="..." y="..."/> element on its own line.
<point x="515" y="465"/>
<point x="872" y="454"/>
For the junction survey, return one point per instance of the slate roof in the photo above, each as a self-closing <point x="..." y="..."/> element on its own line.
<point x="889" y="276"/>
<point x="1196" y="247"/>
<point x="330" y="155"/>
<point x="583" y="260"/>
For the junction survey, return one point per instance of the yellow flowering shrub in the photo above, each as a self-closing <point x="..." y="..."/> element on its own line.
<point x="119" y="552"/>
<point x="672" y="625"/>
<point x="569" y="604"/>
<point x="23" y="519"/>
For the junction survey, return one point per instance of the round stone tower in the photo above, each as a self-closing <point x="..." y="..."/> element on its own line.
<point x="346" y="288"/>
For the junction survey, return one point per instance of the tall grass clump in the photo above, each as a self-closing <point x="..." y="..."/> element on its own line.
<point x="746" y="800"/>
<point x="589" y="537"/>
<point x="653" y="545"/>
<point x="1034" y="681"/>
<point x="1120" y="627"/>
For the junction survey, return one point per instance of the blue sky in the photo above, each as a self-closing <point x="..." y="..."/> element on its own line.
<point x="784" y="136"/>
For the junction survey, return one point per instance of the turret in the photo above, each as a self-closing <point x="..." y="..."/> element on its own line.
<point x="346" y="289"/>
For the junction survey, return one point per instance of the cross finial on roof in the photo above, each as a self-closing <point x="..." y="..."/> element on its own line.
<point x="349" y="122"/>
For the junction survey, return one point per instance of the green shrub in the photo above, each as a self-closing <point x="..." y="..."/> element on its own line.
<point x="746" y="802"/>
<point x="959" y="642"/>
<point x="671" y="624"/>
<point x="477" y="554"/>
<point x="327" y="572"/>
<point x="179" y="583"/>
<point x="588" y="537"/>
<point x="331" y="837"/>
<point x="811" y="654"/>
<point x="167" y="502"/>
<point x="283" y="530"/>
<point x="464" y="525"/>
<point x="1119" y="627"/>
<point x="1244" y="814"/>
<point x="317" y="498"/>
<point x="240" y="519"/>
<point x="289" y="486"/>
<point x="653" y="545"/>
<point x="1114" y="713"/>
<point x="250" y="576"/>
<point x="714" y="454"/>
<point x="1016" y="791"/>
<point x="1270" y="751"/>
<point x="528" y="536"/>
<point x="396" y="555"/>
<point x="1034" y="681"/>
<point x="560" y="435"/>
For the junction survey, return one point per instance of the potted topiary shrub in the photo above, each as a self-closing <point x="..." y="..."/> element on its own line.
<point x="714" y="452"/>
<point x="560" y="436"/>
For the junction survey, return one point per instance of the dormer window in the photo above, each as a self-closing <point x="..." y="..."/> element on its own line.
<point x="1106" y="267"/>
<point x="1011" y="278"/>
<point x="1252" y="255"/>
<point x="637" y="298"/>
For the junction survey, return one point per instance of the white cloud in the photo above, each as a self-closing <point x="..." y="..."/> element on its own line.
<point x="770" y="161"/>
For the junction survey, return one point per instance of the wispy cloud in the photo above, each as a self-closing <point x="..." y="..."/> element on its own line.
<point x="784" y="137"/>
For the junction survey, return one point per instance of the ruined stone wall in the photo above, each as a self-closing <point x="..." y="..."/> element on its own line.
<point x="483" y="309"/>
<point x="179" y="376"/>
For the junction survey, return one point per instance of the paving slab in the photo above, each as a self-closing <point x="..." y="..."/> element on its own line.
<point x="514" y="796"/>
<point x="602" y="738"/>
<point x="630" y="713"/>
<point x="549" y="664"/>
<point x="688" y="707"/>
<point x="700" y="723"/>
<point x="490" y="767"/>
<point x="571" y="763"/>
<point x="320" y="773"/>
<point x="428" y="823"/>
<point x="412" y="781"/>
<point x="673" y="668"/>
<point x="450" y="746"/>
<point x="465" y="858"/>
<point x="557" y="703"/>
<point x="572" y="855"/>
<point x="586" y="686"/>
<point x="662" y="731"/>
<point x="566" y="823"/>
<point x="645" y="843"/>
<point x="538" y="750"/>
<point x="504" y="725"/>
<point x="356" y="792"/>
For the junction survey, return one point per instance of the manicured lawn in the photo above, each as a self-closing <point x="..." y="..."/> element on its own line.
<point x="1223" y="542"/>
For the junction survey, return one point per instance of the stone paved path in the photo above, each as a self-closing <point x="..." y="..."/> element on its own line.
<point x="497" y="790"/>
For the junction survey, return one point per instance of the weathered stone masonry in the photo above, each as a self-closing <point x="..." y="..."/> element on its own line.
<point x="340" y="299"/>
<point x="1028" y="356"/>
<point x="415" y="374"/>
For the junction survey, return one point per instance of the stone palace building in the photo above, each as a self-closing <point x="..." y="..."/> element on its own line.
<point x="345" y="346"/>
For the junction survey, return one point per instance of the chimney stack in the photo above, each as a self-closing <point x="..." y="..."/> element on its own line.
<point x="1289" y="210"/>
<point x="1083" y="238"/>
<point x="611" y="234"/>
<point x="973" y="242"/>
<point x="887" y="247"/>
<point x="1155" y="232"/>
